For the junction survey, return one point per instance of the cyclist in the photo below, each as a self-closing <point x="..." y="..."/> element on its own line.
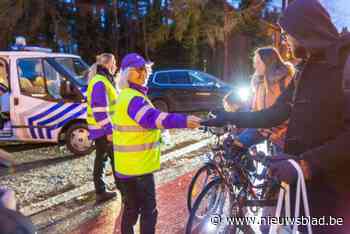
<point x="272" y="76"/>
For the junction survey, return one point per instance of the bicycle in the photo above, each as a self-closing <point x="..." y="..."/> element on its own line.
<point x="230" y="192"/>
<point x="208" y="171"/>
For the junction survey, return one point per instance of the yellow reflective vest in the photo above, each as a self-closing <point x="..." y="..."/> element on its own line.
<point x="136" y="149"/>
<point x="112" y="98"/>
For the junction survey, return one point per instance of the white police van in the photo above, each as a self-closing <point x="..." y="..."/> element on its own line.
<point x="46" y="100"/>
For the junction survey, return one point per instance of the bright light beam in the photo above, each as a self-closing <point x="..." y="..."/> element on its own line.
<point x="244" y="93"/>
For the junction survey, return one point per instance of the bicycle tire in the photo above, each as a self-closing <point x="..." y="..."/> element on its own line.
<point x="215" y="182"/>
<point x="190" y="198"/>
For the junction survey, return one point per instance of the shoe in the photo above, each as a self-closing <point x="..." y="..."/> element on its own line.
<point x="103" y="197"/>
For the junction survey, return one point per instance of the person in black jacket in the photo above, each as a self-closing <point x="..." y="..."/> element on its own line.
<point x="315" y="106"/>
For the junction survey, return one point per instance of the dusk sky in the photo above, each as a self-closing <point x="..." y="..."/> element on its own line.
<point x="339" y="11"/>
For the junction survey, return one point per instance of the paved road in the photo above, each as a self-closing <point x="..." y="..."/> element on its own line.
<point x="171" y="198"/>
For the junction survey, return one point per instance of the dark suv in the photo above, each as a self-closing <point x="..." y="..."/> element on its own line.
<point x="186" y="90"/>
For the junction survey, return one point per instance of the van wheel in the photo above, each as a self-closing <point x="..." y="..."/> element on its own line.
<point x="77" y="139"/>
<point x="161" y="105"/>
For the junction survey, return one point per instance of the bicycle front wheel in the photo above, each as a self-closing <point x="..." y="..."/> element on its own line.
<point x="198" y="182"/>
<point x="212" y="201"/>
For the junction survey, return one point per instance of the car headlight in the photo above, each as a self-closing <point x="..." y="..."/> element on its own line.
<point x="244" y="93"/>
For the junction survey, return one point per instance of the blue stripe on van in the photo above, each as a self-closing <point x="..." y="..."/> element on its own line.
<point x="55" y="117"/>
<point x="41" y="115"/>
<point x="64" y="122"/>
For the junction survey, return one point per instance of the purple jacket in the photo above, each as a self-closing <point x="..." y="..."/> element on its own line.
<point x="99" y="105"/>
<point x="151" y="118"/>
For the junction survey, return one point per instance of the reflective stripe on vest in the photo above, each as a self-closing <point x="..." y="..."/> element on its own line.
<point x="129" y="128"/>
<point x="136" y="149"/>
<point x="111" y="98"/>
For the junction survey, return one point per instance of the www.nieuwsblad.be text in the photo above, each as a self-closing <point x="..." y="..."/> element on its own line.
<point x="270" y="220"/>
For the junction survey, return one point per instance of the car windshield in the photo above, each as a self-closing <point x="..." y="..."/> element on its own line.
<point x="76" y="67"/>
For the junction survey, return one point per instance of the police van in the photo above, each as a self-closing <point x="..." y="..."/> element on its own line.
<point x="45" y="99"/>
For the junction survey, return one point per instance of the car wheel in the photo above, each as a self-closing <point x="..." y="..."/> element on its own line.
<point x="161" y="105"/>
<point x="77" y="139"/>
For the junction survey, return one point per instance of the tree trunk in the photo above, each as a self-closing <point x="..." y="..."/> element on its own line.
<point x="116" y="27"/>
<point x="145" y="39"/>
<point x="137" y="15"/>
<point x="226" y="46"/>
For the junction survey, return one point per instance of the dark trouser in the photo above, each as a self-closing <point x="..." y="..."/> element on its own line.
<point x="104" y="150"/>
<point x="324" y="200"/>
<point x="139" y="198"/>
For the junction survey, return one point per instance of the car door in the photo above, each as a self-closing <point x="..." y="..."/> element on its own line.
<point x="40" y="108"/>
<point x="183" y="90"/>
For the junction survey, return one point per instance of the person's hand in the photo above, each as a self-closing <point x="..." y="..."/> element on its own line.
<point x="110" y="138"/>
<point x="218" y="121"/>
<point x="286" y="172"/>
<point x="193" y="121"/>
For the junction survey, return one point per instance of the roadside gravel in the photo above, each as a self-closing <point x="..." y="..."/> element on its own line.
<point x="37" y="184"/>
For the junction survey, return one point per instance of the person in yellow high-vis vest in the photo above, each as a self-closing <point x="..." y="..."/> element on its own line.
<point x="136" y="140"/>
<point x="101" y="97"/>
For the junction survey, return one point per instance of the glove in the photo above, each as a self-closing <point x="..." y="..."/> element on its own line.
<point x="220" y="120"/>
<point x="283" y="170"/>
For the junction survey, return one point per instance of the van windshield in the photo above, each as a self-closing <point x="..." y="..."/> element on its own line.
<point x="76" y="67"/>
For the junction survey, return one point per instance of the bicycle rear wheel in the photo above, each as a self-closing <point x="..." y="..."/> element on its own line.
<point x="198" y="182"/>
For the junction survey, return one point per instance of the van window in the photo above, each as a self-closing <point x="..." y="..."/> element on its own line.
<point x="4" y="88"/>
<point x="3" y="74"/>
<point x="53" y="81"/>
<point x="31" y="77"/>
<point x="76" y="67"/>
<point x="38" y="78"/>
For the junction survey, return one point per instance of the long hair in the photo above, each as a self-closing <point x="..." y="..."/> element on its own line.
<point x="122" y="79"/>
<point x="101" y="59"/>
<point x="275" y="65"/>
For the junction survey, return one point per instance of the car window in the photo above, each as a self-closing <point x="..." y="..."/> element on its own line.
<point x="162" y="78"/>
<point x="199" y="78"/>
<point x="31" y="77"/>
<point x="180" y="78"/>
